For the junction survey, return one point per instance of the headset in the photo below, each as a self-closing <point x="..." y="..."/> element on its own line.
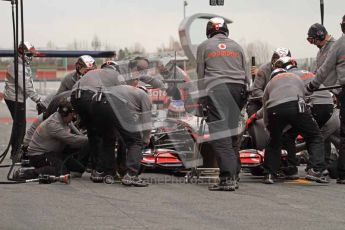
<point x="133" y="63"/>
<point x="320" y="35"/>
<point x="316" y="32"/>
<point x="65" y="108"/>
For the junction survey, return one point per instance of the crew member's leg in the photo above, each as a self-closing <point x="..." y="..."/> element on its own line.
<point x="341" y="159"/>
<point x="18" y="127"/>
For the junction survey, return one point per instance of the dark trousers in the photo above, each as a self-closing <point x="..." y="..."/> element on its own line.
<point x="287" y="114"/>
<point x="321" y="113"/>
<point x="112" y="115"/>
<point x="253" y="106"/>
<point x="83" y="108"/>
<point x="121" y="155"/>
<point x="56" y="163"/>
<point x="18" y="127"/>
<point x="341" y="159"/>
<point x="224" y="105"/>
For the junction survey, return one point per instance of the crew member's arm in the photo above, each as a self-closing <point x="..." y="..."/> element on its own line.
<point x="68" y="82"/>
<point x="329" y="65"/>
<point x="263" y="112"/>
<point x="30" y="132"/>
<point x="259" y="84"/>
<point x="29" y="85"/>
<point x="146" y="107"/>
<point x="63" y="87"/>
<point x="153" y="81"/>
<point x="59" y="132"/>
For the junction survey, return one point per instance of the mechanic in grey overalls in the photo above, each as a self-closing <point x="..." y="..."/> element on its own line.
<point x="223" y="76"/>
<point x="18" y="116"/>
<point x="84" y="64"/>
<point x="283" y="105"/>
<point x="318" y="36"/>
<point x="262" y="77"/>
<point x="50" y="145"/>
<point x="335" y="60"/>
<point x="321" y="107"/>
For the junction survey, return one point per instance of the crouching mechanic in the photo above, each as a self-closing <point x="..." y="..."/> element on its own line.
<point x="49" y="147"/>
<point x="321" y="107"/>
<point x="52" y="107"/>
<point x="124" y="110"/>
<point x="283" y="105"/>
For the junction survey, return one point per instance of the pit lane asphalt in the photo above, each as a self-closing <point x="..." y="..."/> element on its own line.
<point x="86" y="205"/>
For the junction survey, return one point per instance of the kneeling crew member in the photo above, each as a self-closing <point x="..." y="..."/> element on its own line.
<point x="47" y="149"/>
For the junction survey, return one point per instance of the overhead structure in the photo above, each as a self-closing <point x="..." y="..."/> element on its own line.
<point x="64" y="53"/>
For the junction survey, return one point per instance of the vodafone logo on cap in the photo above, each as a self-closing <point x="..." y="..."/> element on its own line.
<point x="222" y="46"/>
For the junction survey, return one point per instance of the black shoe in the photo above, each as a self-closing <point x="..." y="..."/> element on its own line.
<point x="97" y="177"/>
<point x="269" y="178"/>
<point x="24" y="174"/>
<point x="316" y="176"/>
<point x="225" y="185"/>
<point x="340" y="181"/>
<point x="129" y="180"/>
<point x="237" y="182"/>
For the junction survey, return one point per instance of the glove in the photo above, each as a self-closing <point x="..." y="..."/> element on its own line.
<point x="251" y="120"/>
<point x="254" y="70"/>
<point x="40" y="107"/>
<point x="310" y="87"/>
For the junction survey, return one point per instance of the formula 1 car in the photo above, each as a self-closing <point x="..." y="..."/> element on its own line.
<point x="174" y="144"/>
<point x="181" y="144"/>
<point x="252" y="159"/>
